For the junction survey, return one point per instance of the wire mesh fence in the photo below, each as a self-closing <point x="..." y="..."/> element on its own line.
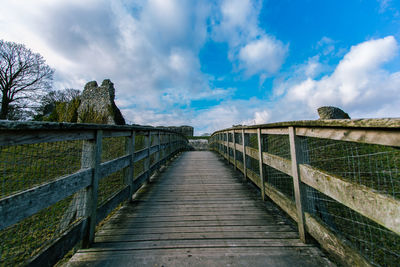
<point x="24" y="167"/>
<point x="376" y="167"/>
<point x="373" y="166"/>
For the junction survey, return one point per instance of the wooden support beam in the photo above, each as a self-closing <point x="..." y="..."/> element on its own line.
<point x="147" y="139"/>
<point x="244" y="156"/>
<point x="92" y="158"/>
<point x="130" y="149"/>
<point x="296" y="158"/>
<point x="260" y="161"/>
<point x="234" y="149"/>
<point x="227" y="147"/>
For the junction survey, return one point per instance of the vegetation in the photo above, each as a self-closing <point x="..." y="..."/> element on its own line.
<point x="24" y="77"/>
<point x="24" y="166"/>
<point x="373" y="166"/>
<point x="59" y="106"/>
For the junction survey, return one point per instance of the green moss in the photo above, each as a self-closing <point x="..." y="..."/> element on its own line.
<point x="90" y="116"/>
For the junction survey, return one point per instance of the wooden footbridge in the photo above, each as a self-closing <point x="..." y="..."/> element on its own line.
<point x="310" y="193"/>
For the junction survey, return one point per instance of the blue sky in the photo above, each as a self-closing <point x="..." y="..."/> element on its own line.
<point x="212" y="64"/>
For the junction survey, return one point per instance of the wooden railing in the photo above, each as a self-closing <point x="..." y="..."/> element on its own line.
<point x="336" y="178"/>
<point x="31" y="202"/>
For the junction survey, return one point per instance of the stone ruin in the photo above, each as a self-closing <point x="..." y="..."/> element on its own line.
<point x="98" y="106"/>
<point x="329" y="113"/>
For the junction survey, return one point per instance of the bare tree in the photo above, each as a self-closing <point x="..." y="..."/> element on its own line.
<point x="24" y="77"/>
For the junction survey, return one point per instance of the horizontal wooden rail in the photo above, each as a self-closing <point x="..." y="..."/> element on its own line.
<point x="20" y="205"/>
<point x="382" y="209"/>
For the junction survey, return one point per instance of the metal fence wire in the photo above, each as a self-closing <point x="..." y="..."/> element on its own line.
<point x="374" y="166"/>
<point x="23" y="167"/>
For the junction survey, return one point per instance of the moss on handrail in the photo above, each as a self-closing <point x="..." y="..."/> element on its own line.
<point x="386" y="123"/>
<point x="43" y="126"/>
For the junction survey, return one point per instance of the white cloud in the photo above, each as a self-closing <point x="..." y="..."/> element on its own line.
<point x="149" y="49"/>
<point x="359" y="84"/>
<point x="265" y="55"/>
<point x="251" y="49"/>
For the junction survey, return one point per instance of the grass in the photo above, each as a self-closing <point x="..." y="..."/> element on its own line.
<point x="25" y="166"/>
<point x="374" y="166"/>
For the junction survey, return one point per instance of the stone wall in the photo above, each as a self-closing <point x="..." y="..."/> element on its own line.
<point x="98" y="106"/>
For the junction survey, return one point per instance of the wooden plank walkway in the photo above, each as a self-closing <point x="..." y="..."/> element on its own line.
<point x="197" y="212"/>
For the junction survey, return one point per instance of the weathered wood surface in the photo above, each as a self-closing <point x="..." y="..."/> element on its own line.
<point x="197" y="213"/>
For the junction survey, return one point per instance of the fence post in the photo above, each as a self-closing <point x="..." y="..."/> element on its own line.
<point x="147" y="160"/>
<point x="227" y="147"/>
<point x="159" y="149"/>
<point x="244" y="156"/>
<point x="91" y="158"/>
<point x="130" y="149"/>
<point x="297" y="158"/>
<point x="261" y="169"/>
<point x="234" y="149"/>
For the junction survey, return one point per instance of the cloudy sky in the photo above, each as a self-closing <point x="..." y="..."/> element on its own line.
<point x="212" y="64"/>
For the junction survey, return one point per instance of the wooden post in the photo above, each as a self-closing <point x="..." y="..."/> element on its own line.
<point x="159" y="148"/>
<point x="244" y="156"/>
<point x="234" y="149"/>
<point x="262" y="180"/>
<point x="227" y="147"/>
<point x="130" y="149"/>
<point x="297" y="158"/>
<point x="169" y="145"/>
<point x="147" y="160"/>
<point x="91" y="158"/>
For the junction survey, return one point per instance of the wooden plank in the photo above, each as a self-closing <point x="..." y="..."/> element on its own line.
<point x="111" y="203"/>
<point x="260" y="164"/>
<point x="198" y="229"/>
<point x="383" y="209"/>
<point x="279" y="163"/>
<point x="250" y="131"/>
<point x="180" y="218"/>
<point x="123" y="237"/>
<point x="54" y="252"/>
<point x="297" y="158"/>
<point x="114" y="133"/>
<point x="225" y="256"/>
<point x="11" y="138"/>
<point x="285" y="203"/>
<point x="387" y="137"/>
<point x="153" y="150"/>
<point x="254" y="178"/>
<point x="195" y="204"/>
<point x="252" y="152"/>
<point x="114" y="165"/>
<point x="275" y="131"/>
<point x="168" y="244"/>
<point x="336" y="247"/>
<point x="139" y="181"/>
<point x="141" y="154"/>
<point x="239" y="147"/>
<point x="19" y="206"/>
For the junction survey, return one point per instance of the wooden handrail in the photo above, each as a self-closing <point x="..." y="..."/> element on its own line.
<point x="20" y="205"/>
<point x="380" y="208"/>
